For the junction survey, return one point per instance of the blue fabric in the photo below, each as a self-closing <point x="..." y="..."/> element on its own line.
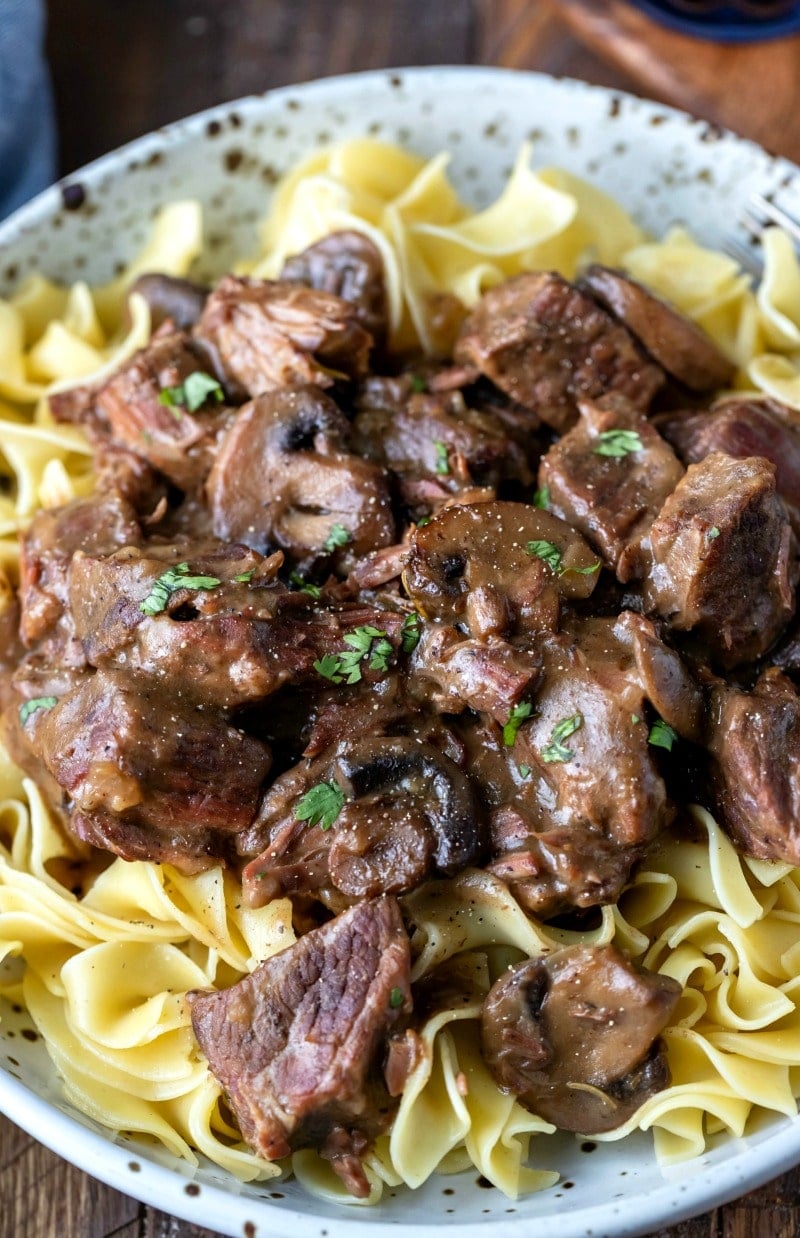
<point x="27" y="131"/>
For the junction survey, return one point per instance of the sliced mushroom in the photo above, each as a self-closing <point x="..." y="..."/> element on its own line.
<point x="519" y="555"/>
<point x="574" y="1036"/>
<point x="284" y="477"/>
<point x="349" y="265"/>
<point x="181" y="300"/>
<point x="676" y="343"/>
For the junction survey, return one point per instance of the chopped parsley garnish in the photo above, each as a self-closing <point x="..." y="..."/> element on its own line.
<point x="524" y="771"/>
<point x="396" y="998"/>
<point x="363" y="642"/>
<point x="712" y="533"/>
<point x="338" y="536"/>
<point x="442" y="463"/>
<point x="193" y="392"/>
<point x="662" y="735"/>
<point x="515" y="720"/>
<point x="635" y="719"/>
<point x="170" y="582"/>
<point x="421" y="523"/>
<point x="410" y="632"/>
<point x="547" y="552"/>
<point x="542" y="498"/>
<point x="31" y="707"/>
<point x="583" y="571"/>
<point x="305" y="586"/>
<point x="556" y="750"/>
<point x="618" y="443"/>
<point x="320" y="805"/>
<point x="244" y="578"/>
<point x="418" y="384"/>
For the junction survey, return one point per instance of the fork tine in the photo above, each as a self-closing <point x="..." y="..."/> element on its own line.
<point x="774" y="214"/>
<point x="747" y="260"/>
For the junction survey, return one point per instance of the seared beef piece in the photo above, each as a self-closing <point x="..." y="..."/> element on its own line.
<point x="474" y="564"/>
<point x="284" y="477"/>
<point x="178" y="300"/>
<point x="124" y="473"/>
<point x="547" y="345"/>
<point x="177" y="442"/>
<point x="574" y="1036"/>
<point x="269" y="334"/>
<point x="437" y="438"/>
<point x="97" y="525"/>
<point x="490" y="676"/>
<point x="126" y="753"/>
<point x="350" y="266"/>
<point x="743" y="428"/>
<point x="671" y="339"/>
<point x="754" y="741"/>
<point x="77" y="406"/>
<point x="407" y="812"/>
<point x="297" y="1045"/>
<point x="720" y="559"/>
<point x="610" y="499"/>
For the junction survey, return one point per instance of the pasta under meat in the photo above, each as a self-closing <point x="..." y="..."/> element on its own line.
<point x="727" y="928"/>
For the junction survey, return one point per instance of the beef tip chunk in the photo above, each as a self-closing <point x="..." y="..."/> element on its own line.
<point x="741" y="428"/>
<point x="498" y="567"/>
<point x="297" y="1045"/>
<point x="489" y="676"/>
<point x="609" y="475"/>
<point x="179" y="301"/>
<point x="271" y="334"/>
<point x="547" y="345"/>
<point x="97" y="525"/>
<point x="151" y="412"/>
<point x="127" y="754"/>
<point x="284" y="477"/>
<point x="720" y="559"/>
<point x="754" y="742"/>
<point x="350" y="266"/>
<point x="671" y="339"/>
<point x="575" y="1036"/>
<point x="399" y="812"/>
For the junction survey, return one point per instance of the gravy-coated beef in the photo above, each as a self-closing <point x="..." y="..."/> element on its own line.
<point x="284" y="477"/>
<point x="610" y="488"/>
<point x="490" y="676"/>
<point x="297" y="1045"/>
<point x="547" y="345"/>
<point x="754" y="742"/>
<point x="349" y="265"/>
<point x="720" y="559"/>
<point x="575" y="1036"/>
<point x="743" y="427"/>
<point x="169" y="298"/>
<point x="272" y="334"/>
<point x="671" y="339"/>
<point x="179" y="777"/>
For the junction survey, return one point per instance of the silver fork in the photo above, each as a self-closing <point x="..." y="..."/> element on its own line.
<point x="758" y="213"/>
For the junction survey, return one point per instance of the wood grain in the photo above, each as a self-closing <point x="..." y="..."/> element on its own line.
<point x="123" y="68"/>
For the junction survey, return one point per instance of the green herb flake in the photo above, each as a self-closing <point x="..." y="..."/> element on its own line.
<point x="320" y="805"/>
<point x="712" y="533"/>
<point x="421" y="523"/>
<point x="364" y="642"/>
<point x="442" y="463"/>
<point x="193" y="393"/>
<point x="170" y="582"/>
<point x="635" y="719"/>
<point x="547" y="552"/>
<point x="418" y="384"/>
<point x="382" y="650"/>
<point x="244" y="578"/>
<point x="330" y="668"/>
<point x="662" y="735"/>
<point x="515" y="720"/>
<point x="396" y="999"/>
<point x="583" y="571"/>
<point x="524" y="771"/>
<point x="37" y="703"/>
<point x="556" y="750"/>
<point x="304" y="586"/>
<point x="337" y="536"/>
<point x="541" y="498"/>
<point x="410" y="633"/>
<point x="618" y="443"/>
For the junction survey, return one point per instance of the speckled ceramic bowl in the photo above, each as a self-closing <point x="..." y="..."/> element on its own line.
<point x="666" y="168"/>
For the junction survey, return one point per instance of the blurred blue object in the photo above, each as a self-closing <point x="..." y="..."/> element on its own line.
<point x="27" y="130"/>
<point x="727" y="21"/>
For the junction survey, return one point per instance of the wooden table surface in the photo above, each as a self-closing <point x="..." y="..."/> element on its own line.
<point x="125" y="67"/>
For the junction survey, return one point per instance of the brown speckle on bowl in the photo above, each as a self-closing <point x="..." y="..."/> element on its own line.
<point x="233" y="159"/>
<point x="134" y="1167"/>
<point x="191" y="1188"/>
<point x="73" y="196"/>
<point x="213" y="128"/>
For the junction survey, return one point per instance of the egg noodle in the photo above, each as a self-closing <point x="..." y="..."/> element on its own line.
<point x="105" y="972"/>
